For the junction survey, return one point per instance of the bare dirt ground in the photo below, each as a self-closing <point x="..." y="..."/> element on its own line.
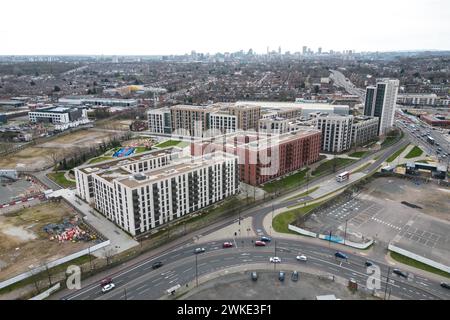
<point x="25" y="245"/>
<point x="42" y="155"/>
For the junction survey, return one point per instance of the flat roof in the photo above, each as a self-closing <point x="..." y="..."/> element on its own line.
<point x="188" y="164"/>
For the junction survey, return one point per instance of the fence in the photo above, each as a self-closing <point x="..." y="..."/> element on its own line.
<point x="47" y="293"/>
<point x="416" y="257"/>
<point x="52" y="264"/>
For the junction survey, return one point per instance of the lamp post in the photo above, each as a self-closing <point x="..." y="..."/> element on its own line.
<point x="196" y="272"/>
<point x="345" y="232"/>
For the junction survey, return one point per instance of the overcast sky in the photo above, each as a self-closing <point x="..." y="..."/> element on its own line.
<point x="178" y="26"/>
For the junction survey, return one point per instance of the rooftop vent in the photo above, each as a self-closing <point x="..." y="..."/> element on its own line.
<point x="139" y="176"/>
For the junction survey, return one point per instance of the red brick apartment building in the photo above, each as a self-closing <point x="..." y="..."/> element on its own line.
<point x="263" y="158"/>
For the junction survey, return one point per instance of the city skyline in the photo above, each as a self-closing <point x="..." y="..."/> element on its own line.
<point x="175" y="27"/>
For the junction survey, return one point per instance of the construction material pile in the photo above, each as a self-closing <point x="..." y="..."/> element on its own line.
<point x="68" y="230"/>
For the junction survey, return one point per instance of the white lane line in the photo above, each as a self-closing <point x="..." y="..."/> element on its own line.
<point x="202" y="264"/>
<point x="187" y="270"/>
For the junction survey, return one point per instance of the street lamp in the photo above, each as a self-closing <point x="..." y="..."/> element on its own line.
<point x="345" y="232"/>
<point x="196" y="272"/>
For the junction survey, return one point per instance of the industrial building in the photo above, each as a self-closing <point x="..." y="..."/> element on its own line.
<point x="144" y="192"/>
<point x="94" y="101"/>
<point x="438" y="120"/>
<point x="57" y="115"/>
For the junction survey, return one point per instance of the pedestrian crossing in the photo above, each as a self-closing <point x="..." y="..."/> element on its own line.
<point x="386" y="223"/>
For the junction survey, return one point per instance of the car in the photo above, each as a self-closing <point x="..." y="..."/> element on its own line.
<point x="265" y="239"/>
<point x="294" y="276"/>
<point x="106" y="281"/>
<point x="281" y="275"/>
<point x="368" y="263"/>
<point x="340" y="255"/>
<point x="260" y="243"/>
<point x="400" y="273"/>
<point x="301" y="257"/>
<point x="275" y="260"/>
<point x="199" y="250"/>
<point x="157" y="264"/>
<point x="254" y="276"/>
<point x="445" y="285"/>
<point x="108" y="287"/>
<point x="227" y="244"/>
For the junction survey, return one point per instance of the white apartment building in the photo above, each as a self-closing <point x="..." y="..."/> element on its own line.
<point x="159" y="121"/>
<point x="336" y="132"/>
<point x="417" y="99"/>
<point x="222" y="121"/>
<point x="139" y="198"/>
<point x="57" y="115"/>
<point x="274" y="125"/>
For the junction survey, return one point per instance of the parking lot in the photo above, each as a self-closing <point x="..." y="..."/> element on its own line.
<point x="413" y="216"/>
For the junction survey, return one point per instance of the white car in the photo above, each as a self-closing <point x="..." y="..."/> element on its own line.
<point x="301" y="257"/>
<point x="108" y="287"/>
<point x="275" y="260"/>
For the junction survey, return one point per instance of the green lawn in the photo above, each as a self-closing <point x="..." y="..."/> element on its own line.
<point x="328" y="165"/>
<point x="140" y="149"/>
<point x="416" y="264"/>
<point x="396" y="154"/>
<point x="286" y="182"/>
<point x="99" y="159"/>
<point x="281" y="221"/>
<point x="358" y="154"/>
<point x="415" y="152"/>
<point x="171" y="143"/>
<point x="59" y="178"/>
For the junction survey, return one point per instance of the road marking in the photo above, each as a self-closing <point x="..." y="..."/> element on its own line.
<point x="187" y="270"/>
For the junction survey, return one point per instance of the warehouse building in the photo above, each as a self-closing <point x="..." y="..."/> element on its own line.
<point x="57" y="115"/>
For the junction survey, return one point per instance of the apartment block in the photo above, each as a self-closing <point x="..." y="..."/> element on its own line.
<point x="139" y="197"/>
<point x="189" y="120"/>
<point x="336" y="132"/>
<point x="381" y="102"/>
<point x="364" y="129"/>
<point x="160" y="120"/>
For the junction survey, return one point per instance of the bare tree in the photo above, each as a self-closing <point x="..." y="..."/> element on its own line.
<point x="108" y="253"/>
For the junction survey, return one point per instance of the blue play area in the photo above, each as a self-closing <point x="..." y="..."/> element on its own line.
<point x="123" y="152"/>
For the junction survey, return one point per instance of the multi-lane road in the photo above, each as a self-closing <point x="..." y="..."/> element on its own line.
<point x="179" y="267"/>
<point x="341" y="81"/>
<point x="140" y="281"/>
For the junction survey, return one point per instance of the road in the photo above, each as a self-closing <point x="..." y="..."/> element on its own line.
<point x="416" y="136"/>
<point x="141" y="282"/>
<point x="340" y="81"/>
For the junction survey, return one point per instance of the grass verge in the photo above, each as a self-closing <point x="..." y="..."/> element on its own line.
<point x="281" y="221"/>
<point x="99" y="159"/>
<point x="358" y="154"/>
<point x="417" y="264"/>
<point x="415" y="152"/>
<point x="286" y="182"/>
<point x="328" y="165"/>
<point x="59" y="178"/>
<point x="396" y="154"/>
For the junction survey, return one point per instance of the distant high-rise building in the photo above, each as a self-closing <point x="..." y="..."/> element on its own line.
<point x="380" y="102"/>
<point x="319" y="51"/>
<point x="305" y="48"/>
<point x="279" y="50"/>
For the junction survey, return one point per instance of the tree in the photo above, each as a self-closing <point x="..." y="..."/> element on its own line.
<point x="56" y="89"/>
